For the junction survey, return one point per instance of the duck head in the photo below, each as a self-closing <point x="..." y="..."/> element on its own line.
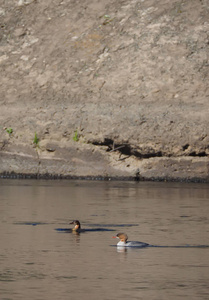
<point x="77" y="225"/>
<point x="122" y="237"/>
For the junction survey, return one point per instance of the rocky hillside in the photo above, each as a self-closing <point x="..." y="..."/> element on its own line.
<point x="105" y="88"/>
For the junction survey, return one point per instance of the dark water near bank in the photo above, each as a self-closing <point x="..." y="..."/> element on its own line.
<point x="39" y="262"/>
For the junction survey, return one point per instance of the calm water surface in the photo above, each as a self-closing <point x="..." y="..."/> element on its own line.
<point x="38" y="262"/>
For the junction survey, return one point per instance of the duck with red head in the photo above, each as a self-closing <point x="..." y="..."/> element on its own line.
<point x="124" y="241"/>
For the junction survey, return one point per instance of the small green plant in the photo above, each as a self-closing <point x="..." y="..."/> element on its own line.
<point x="9" y="130"/>
<point x="36" y="139"/>
<point x="107" y="19"/>
<point x="76" y="136"/>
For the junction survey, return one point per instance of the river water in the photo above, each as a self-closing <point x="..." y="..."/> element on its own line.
<point x="39" y="262"/>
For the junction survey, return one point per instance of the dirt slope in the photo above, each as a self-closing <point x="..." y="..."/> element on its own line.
<point x="112" y="88"/>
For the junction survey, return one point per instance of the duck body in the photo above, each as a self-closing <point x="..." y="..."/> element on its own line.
<point x="132" y="244"/>
<point x="124" y="241"/>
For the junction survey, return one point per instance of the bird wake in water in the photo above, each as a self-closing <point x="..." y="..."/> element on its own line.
<point x="124" y="243"/>
<point x="77" y="228"/>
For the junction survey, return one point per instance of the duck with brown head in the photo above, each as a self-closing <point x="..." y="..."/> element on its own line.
<point x="77" y="227"/>
<point x="124" y="241"/>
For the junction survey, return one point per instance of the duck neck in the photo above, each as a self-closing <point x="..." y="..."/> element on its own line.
<point x="122" y="243"/>
<point x="77" y="227"/>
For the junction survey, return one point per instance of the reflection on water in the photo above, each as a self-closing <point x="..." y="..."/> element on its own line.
<point x="40" y="262"/>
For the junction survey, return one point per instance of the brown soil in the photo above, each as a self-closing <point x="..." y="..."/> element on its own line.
<point x="112" y="88"/>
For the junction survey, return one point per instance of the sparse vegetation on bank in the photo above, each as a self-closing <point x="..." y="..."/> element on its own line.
<point x="36" y="139"/>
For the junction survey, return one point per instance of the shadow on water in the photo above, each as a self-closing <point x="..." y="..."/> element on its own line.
<point x="132" y="248"/>
<point x="69" y="230"/>
<point x="31" y="223"/>
<point x="99" y="227"/>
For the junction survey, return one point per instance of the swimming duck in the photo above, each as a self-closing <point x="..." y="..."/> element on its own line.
<point x="124" y="241"/>
<point x="77" y="227"/>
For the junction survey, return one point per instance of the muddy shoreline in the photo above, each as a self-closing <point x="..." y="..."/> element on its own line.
<point x="14" y="176"/>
